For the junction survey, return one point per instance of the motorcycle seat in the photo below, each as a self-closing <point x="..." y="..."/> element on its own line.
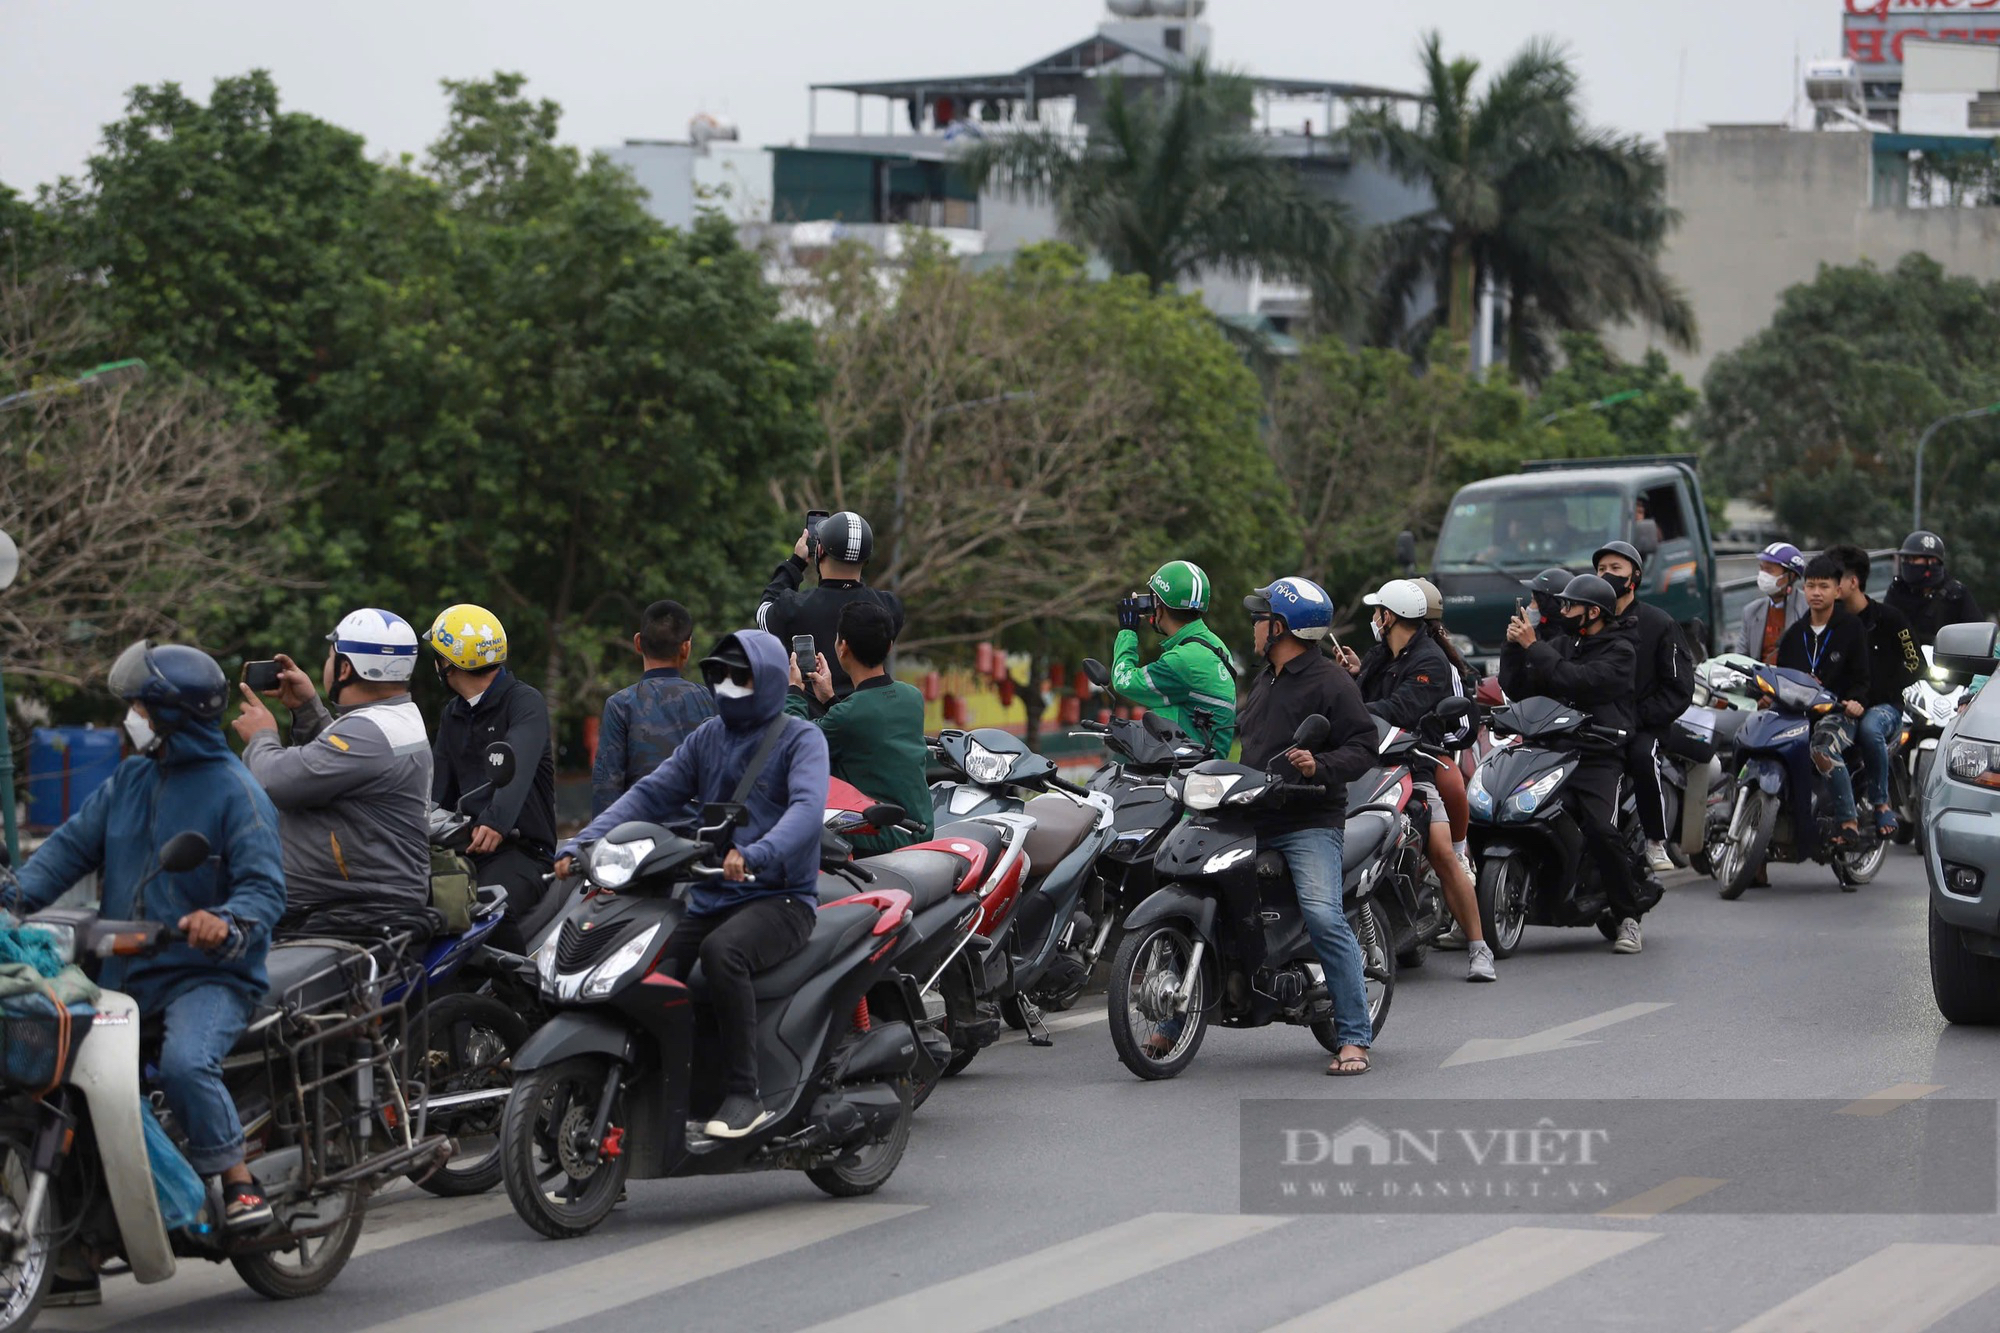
<point x="307" y="974"/>
<point x="1061" y="825"/>
<point x="1366" y="833"/>
<point x="990" y="836"/>
<point x="929" y="877"/>
<point x="836" y="930"/>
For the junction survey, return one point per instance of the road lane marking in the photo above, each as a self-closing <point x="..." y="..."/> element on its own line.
<point x="1060" y="1023"/>
<point x="1661" y="1198"/>
<point x="1901" y="1289"/>
<point x="1561" y="1038"/>
<point x="1020" y="1288"/>
<point x="1887" y="1100"/>
<point x="1468" y="1284"/>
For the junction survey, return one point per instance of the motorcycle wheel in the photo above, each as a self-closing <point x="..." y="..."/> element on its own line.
<point x="868" y="1168"/>
<point x="472" y="1040"/>
<point x="960" y="1061"/>
<point x="1503" y="903"/>
<point x="1012" y="1015"/>
<point x="1151" y="962"/>
<point x="26" y="1273"/>
<point x="553" y="1189"/>
<point x="1856" y="868"/>
<point x="1714" y="839"/>
<point x="1371" y="931"/>
<point x="1412" y="955"/>
<point x="312" y="1262"/>
<point x="1747" y="842"/>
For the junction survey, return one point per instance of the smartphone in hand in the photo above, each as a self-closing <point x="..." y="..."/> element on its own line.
<point x="261" y="676"/>
<point x="806" y="651"/>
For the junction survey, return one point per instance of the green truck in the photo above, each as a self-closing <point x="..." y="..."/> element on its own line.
<point x="1504" y="530"/>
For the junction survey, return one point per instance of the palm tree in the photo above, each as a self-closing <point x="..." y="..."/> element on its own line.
<point x="1171" y="183"/>
<point x="1568" y="221"/>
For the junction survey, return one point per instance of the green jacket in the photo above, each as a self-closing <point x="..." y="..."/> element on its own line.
<point x="1190" y="673"/>
<point x="875" y="740"/>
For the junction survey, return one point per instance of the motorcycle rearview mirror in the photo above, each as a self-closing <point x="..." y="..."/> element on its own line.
<point x="884" y="814"/>
<point x="1406" y="551"/>
<point x="501" y="765"/>
<point x="1312" y="732"/>
<point x="1455" y="709"/>
<point x="184" y="851"/>
<point x="1099" y="676"/>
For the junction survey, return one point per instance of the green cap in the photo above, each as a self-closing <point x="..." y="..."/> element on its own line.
<point x="1180" y="584"/>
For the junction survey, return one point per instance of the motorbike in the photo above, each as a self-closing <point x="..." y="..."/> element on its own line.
<point x="1779" y="793"/>
<point x="619" y="1080"/>
<point x="1534" y="866"/>
<point x="1393" y="842"/>
<point x="316" y="1077"/>
<point x="1166" y="975"/>
<point x="1929" y="706"/>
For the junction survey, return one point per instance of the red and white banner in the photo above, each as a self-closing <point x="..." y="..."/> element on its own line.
<point x="1875" y="30"/>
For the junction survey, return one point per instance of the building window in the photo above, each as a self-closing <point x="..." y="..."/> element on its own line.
<point x="1173" y="37"/>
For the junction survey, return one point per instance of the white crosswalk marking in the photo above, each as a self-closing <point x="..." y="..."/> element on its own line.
<point x="579" y="1291"/>
<point x="1454" y="1289"/>
<point x="1900" y="1289"/>
<point x="1040" y="1281"/>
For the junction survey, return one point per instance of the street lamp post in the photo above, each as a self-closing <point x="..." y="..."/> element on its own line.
<point x="1923" y="442"/>
<point x="10" y="565"/>
<point x="1625" y="397"/>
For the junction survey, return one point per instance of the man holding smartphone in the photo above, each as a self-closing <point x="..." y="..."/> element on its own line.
<point x="838" y="546"/>
<point x="1190" y="683"/>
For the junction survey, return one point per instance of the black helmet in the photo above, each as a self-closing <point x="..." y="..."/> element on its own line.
<point x="1590" y="590"/>
<point x="1549" y="583"/>
<point x="175" y="682"/>
<point x="845" y="537"/>
<point x="1625" y="549"/>
<point x="1923" y="543"/>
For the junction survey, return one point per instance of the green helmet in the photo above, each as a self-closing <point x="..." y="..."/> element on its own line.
<point x="1181" y="585"/>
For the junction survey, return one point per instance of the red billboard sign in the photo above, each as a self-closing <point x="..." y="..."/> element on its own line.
<point x="1875" y="30"/>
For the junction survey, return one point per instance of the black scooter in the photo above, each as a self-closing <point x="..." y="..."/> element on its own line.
<point x="617" y="1083"/>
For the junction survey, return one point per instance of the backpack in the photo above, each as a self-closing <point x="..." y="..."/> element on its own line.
<point x="454" y="885"/>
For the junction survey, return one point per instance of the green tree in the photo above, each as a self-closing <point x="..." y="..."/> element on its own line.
<point x="1567" y="221"/>
<point x="1170" y="183"/>
<point x="1818" y="415"/>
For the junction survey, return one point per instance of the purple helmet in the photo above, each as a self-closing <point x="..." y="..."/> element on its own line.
<point x="1785" y="554"/>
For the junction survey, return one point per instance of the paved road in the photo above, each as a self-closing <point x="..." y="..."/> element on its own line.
<point x="1049" y="1189"/>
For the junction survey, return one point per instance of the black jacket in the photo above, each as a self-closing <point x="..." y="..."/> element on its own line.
<point x="1928" y="611"/>
<point x="1663" y="673"/>
<point x="514" y="712"/>
<point x="1269" y="718"/>
<point x="1894" y="661"/>
<point x="786" y="611"/>
<point x="1841" y="662"/>
<point x="1404" y="688"/>
<point x="1593" y="672"/>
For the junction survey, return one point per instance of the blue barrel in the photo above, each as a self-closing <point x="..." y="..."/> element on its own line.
<point x="65" y="765"/>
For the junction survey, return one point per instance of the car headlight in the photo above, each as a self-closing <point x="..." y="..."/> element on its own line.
<point x="612" y="864"/>
<point x="985" y="766"/>
<point x="1975" y="762"/>
<point x="606" y="974"/>
<point x="1204" y="791"/>
<point x="1528" y="797"/>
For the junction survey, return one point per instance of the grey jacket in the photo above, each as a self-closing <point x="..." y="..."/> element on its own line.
<point x="1753" y="619"/>
<point x="353" y="798"/>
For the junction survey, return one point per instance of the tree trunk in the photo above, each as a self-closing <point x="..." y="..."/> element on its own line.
<point x="1034" y="699"/>
<point x="1463" y="299"/>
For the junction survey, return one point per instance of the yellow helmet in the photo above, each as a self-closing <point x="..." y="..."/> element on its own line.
<point x="469" y="637"/>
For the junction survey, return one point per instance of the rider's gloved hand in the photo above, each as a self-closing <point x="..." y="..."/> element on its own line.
<point x="1133" y="612"/>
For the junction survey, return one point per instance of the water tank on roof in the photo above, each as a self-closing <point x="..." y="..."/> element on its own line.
<point x="705" y="128"/>
<point x="1130" y="9"/>
<point x="1179" y="9"/>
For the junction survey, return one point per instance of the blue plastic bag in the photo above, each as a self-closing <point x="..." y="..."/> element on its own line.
<point x="178" y="1188"/>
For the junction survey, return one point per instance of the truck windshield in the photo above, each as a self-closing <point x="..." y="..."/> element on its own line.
<point x="1530" y="531"/>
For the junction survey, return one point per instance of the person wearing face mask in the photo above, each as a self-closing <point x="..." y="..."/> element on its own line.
<point x="353" y="788"/>
<point x="761" y="912"/>
<point x="184" y="779"/>
<point x="1591" y="669"/>
<point x="1780" y="602"/>
<point x="1924" y="591"/>
<point x="1190" y="682"/>
<point x="1664" y="682"/>
<point x="1545" y="592"/>
<point x="514" y="833"/>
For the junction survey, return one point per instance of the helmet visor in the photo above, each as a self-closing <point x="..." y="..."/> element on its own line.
<point x="132" y="670"/>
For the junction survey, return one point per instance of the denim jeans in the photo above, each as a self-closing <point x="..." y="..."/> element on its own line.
<point x="1830" y="739"/>
<point x="203" y="1025"/>
<point x="1313" y="857"/>
<point x="1878" y="724"/>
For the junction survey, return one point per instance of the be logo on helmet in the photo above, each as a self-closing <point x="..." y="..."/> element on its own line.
<point x="469" y="637"/>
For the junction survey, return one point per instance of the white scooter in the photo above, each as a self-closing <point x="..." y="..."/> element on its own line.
<point x="315" y="1076"/>
<point x="1929" y="706"/>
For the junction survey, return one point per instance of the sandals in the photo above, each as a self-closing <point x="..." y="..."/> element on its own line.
<point x="1349" y="1066"/>
<point x="1885" y="823"/>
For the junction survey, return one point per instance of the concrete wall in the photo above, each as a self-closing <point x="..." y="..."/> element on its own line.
<point x="680" y="178"/>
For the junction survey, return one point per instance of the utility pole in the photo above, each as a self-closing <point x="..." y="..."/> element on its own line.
<point x="1923" y="443"/>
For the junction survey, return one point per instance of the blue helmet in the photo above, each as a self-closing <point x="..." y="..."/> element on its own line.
<point x="1302" y="604"/>
<point x="175" y="682"/>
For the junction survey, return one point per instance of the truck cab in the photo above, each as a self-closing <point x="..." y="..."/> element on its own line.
<point x="1503" y="531"/>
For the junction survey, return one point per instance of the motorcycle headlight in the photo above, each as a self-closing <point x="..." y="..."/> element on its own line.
<point x="607" y="973"/>
<point x="985" y="766"/>
<point x="1528" y="797"/>
<point x="612" y="864"/>
<point x="544" y="959"/>
<point x="1204" y="791"/>
<point x="1975" y="762"/>
<point x="1481" y="799"/>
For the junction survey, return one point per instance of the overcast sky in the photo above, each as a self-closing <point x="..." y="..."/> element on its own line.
<point x="639" y="68"/>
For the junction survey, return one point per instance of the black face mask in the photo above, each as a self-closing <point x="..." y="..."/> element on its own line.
<point x="1620" y="584"/>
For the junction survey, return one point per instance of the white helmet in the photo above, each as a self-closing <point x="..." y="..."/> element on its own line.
<point x="381" y="644"/>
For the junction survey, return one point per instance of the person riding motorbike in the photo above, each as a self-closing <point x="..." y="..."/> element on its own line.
<point x="353" y="791"/>
<point x="1593" y="668"/>
<point x="1402" y="679"/>
<point x="1894" y="664"/>
<point x="183" y="779"/>
<point x="1664" y="681"/>
<point x="1450" y="777"/>
<point x="761" y="912"/>
<point x="514" y="831"/>
<point x="1779" y="604"/>
<point x="1191" y="675"/>
<point x="838" y="546"/>
<point x="1831" y="646"/>
<point x="1924" y="591"/>
<point x="1545" y="591"/>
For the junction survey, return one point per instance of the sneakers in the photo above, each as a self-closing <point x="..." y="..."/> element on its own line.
<point x="244" y="1207"/>
<point x="70" y="1293"/>
<point x="1451" y="939"/>
<point x="1659" y="858"/>
<point x="1471" y="871"/>
<point x="1628" y="940"/>
<point x="1479" y="967"/>
<point x="737" y="1116"/>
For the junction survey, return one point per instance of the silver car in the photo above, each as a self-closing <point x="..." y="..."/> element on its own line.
<point x="1962" y="844"/>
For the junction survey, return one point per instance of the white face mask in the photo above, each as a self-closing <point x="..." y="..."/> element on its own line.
<point x="1376" y="625"/>
<point x="1768" y="583"/>
<point x="140" y="728"/>
<point x="729" y="689"/>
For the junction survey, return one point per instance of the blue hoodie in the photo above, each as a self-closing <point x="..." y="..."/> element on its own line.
<point x="197" y="785"/>
<point x="780" y="834"/>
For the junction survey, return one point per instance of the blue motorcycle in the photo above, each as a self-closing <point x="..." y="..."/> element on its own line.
<point x="1783" y="811"/>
